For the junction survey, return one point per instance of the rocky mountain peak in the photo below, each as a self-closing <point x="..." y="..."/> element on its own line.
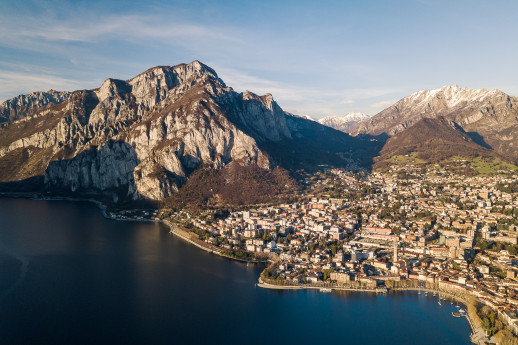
<point x="195" y="70"/>
<point x="153" y="85"/>
<point x="262" y="116"/>
<point x="144" y="137"/>
<point x="266" y="100"/>
<point x="112" y="88"/>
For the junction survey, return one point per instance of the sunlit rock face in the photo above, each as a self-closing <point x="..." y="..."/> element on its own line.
<point x="141" y="137"/>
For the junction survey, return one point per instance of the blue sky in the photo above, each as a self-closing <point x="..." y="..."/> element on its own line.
<point x="316" y="58"/>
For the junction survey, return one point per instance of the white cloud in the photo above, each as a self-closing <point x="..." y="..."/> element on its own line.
<point x="125" y="28"/>
<point x="244" y="81"/>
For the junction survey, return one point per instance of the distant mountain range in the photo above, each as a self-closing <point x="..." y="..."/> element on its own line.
<point x="347" y="123"/>
<point x="457" y="121"/>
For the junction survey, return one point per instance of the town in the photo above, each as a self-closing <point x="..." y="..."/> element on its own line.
<point x="401" y="228"/>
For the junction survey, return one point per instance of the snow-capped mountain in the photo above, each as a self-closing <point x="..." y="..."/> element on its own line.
<point x="346" y="123"/>
<point x="490" y="117"/>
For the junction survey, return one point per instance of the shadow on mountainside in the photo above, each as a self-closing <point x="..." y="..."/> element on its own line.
<point x="105" y="174"/>
<point x="313" y="145"/>
<point x="478" y="139"/>
<point x="369" y="147"/>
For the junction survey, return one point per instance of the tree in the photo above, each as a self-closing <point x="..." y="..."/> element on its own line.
<point x="482" y="243"/>
<point x="326" y="274"/>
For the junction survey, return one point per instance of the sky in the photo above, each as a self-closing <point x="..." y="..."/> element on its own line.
<point x="317" y="58"/>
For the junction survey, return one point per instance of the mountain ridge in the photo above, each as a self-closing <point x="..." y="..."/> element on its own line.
<point x="490" y="117"/>
<point x="144" y="137"/>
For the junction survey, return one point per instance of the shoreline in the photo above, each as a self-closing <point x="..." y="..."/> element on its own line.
<point x="103" y="208"/>
<point x="183" y="235"/>
<point x="265" y="285"/>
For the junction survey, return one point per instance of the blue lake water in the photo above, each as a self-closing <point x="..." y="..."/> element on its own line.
<point x="70" y="276"/>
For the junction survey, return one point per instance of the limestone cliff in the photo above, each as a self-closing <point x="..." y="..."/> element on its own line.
<point x="143" y="137"/>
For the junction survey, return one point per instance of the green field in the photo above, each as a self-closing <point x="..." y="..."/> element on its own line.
<point x="492" y="166"/>
<point x="479" y="165"/>
<point x="485" y="166"/>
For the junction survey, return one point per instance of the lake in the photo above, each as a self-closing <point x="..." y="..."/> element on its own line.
<point x="70" y="276"/>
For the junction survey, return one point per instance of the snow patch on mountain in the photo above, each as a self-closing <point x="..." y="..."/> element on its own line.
<point x="451" y="95"/>
<point x="345" y="123"/>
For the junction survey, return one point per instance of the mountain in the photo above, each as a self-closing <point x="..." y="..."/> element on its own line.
<point x="347" y="123"/>
<point x="25" y="105"/>
<point x="432" y="140"/>
<point x="490" y="118"/>
<point x="142" y="138"/>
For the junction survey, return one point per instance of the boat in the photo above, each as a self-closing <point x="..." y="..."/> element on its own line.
<point x="455" y="314"/>
<point x="439" y="302"/>
<point x="462" y="311"/>
<point x="326" y="290"/>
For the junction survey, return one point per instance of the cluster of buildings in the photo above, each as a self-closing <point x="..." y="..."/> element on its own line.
<point x="457" y="233"/>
